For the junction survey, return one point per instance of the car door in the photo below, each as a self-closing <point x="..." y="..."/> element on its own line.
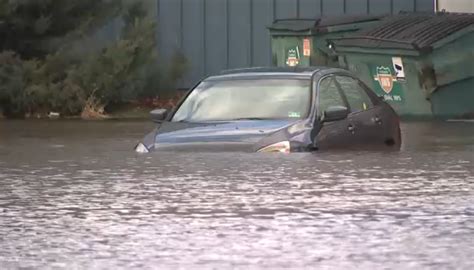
<point x="337" y="134"/>
<point x="388" y="119"/>
<point x="365" y="115"/>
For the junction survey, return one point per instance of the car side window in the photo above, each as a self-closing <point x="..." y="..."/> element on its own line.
<point x="329" y="95"/>
<point x="356" y="96"/>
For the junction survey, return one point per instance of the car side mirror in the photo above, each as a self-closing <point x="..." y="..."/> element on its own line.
<point x="158" y="115"/>
<point x="335" y="113"/>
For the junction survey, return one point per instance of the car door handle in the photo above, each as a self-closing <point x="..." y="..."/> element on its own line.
<point x="351" y="129"/>
<point x="377" y="120"/>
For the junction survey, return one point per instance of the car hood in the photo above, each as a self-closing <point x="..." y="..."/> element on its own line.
<point x="235" y="134"/>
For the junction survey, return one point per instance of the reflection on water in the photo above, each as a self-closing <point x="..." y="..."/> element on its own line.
<point x="73" y="195"/>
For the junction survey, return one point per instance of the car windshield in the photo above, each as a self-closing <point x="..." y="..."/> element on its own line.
<point x="250" y="99"/>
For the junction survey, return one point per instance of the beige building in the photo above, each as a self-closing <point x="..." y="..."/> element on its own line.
<point x="455" y="5"/>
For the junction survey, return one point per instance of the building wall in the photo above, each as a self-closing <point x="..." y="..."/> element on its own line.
<point x="456" y="5"/>
<point x="222" y="34"/>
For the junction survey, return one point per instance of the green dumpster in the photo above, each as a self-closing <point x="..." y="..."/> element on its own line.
<point x="303" y="42"/>
<point x="422" y="64"/>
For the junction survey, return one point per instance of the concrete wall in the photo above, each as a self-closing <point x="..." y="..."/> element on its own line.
<point x="222" y="34"/>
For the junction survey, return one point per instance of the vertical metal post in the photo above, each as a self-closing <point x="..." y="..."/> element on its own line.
<point x="251" y="33"/>
<point x="181" y="25"/>
<point x="204" y="45"/>
<point x="274" y="17"/>
<point x="227" y="14"/>
<point x="274" y="9"/>
<point x="297" y="8"/>
<point x="157" y="29"/>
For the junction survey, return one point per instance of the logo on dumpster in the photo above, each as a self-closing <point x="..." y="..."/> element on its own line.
<point x="293" y="57"/>
<point x="386" y="83"/>
<point x="385" y="78"/>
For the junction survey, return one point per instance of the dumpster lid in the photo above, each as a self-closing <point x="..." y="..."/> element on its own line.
<point x="297" y="25"/>
<point x="410" y="31"/>
<point x="296" y="69"/>
<point x="347" y="19"/>
<point x="321" y="23"/>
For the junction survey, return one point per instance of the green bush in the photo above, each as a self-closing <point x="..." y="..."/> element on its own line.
<point x="124" y="71"/>
<point x="34" y="28"/>
<point x="13" y="98"/>
<point x="46" y="88"/>
<point x="71" y="84"/>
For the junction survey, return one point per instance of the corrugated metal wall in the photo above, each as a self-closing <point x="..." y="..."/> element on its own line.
<point x="222" y="34"/>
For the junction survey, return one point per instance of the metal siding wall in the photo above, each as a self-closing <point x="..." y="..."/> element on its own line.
<point x="425" y="5"/>
<point x="380" y="6"/>
<point x="309" y="8"/>
<point x="239" y="33"/>
<point x="221" y="34"/>
<point x="216" y="36"/>
<point x="356" y="7"/>
<point x="403" y="5"/>
<point x="169" y="27"/>
<point x="262" y="16"/>
<point x="333" y="7"/>
<point x="193" y="39"/>
<point x="286" y="9"/>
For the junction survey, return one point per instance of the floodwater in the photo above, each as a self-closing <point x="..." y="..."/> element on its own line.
<point x="73" y="195"/>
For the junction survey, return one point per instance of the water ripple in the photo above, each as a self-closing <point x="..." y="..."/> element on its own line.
<point x="94" y="208"/>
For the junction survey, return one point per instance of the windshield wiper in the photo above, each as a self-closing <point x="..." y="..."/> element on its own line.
<point x="248" y="118"/>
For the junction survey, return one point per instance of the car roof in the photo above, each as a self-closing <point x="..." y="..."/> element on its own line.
<point x="275" y="72"/>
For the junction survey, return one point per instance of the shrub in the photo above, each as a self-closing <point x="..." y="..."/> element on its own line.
<point x="49" y="89"/>
<point x="60" y="81"/>
<point x="128" y="70"/>
<point x="120" y="72"/>
<point x="13" y="99"/>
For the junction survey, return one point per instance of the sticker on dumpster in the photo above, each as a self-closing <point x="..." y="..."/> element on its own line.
<point x="306" y="47"/>
<point x="387" y="84"/>
<point x="294" y="114"/>
<point x="293" y="57"/>
<point x="399" y="69"/>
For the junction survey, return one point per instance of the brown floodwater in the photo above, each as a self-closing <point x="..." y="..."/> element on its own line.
<point x="74" y="195"/>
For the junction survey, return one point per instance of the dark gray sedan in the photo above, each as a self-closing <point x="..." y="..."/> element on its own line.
<point x="276" y="110"/>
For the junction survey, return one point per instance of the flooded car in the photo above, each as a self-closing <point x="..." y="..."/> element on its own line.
<point x="276" y="110"/>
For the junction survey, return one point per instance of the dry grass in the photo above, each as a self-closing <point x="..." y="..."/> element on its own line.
<point x="93" y="108"/>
